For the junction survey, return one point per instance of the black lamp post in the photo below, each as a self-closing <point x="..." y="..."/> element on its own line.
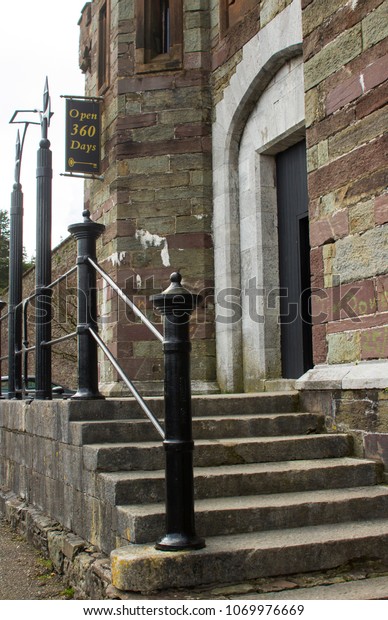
<point x="16" y="265"/>
<point x="2" y="306"/>
<point x="43" y="311"/>
<point x="15" y="279"/>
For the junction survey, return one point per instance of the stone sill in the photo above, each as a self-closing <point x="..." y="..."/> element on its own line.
<point x="361" y="376"/>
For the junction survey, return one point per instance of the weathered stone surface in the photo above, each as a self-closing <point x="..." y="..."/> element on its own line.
<point x="361" y="256"/>
<point x="143" y="569"/>
<point x="334" y="56"/>
<point x="375" y="26"/>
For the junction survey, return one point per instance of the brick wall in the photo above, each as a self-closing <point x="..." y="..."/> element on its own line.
<point x="346" y="84"/>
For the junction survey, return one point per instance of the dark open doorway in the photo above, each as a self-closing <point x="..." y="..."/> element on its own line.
<point x="294" y="261"/>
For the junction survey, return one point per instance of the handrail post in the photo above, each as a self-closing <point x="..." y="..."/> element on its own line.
<point x="2" y="306"/>
<point x="86" y="233"/>
<point x="176" y="305"/>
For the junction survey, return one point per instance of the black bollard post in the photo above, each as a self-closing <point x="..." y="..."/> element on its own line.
<point x="86" y="233"/>
<point x="15" y="281"/>
<point x="2" y="306"/>
<point x="43" y="309"/>
<point x="176" y="305"/>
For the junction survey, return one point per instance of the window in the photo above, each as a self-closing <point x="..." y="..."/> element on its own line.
<point x="103" y="47"/>
<point x="159" y="35"/>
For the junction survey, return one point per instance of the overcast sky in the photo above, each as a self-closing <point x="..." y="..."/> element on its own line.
<point x="39" y="38"/>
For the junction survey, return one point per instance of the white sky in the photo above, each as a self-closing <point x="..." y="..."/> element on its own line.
<point x="39" y="38"/>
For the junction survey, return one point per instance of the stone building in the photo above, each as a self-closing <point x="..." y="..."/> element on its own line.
<point x="244" y="143"/>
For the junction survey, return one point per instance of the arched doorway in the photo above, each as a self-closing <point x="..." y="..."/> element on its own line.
<point x="260" y="116"/>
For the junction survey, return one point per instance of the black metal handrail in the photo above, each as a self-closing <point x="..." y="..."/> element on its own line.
<point x="25" y="349"/>
<point x="126" y="299"/>
<point x="128" y="383"/>
<point x="175" y="304"/>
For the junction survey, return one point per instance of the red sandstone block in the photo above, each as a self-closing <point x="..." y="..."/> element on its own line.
<point x="367" y="185"/>
<point x="335" y="227"/>
<point x="189" y="240"/>
<point x="320" y="233"/>
<point x="194" y="129"/>
<point x="192" y="78"/>
<point x="197" y="60"/>
<point x="345" y="302"/>
<point x="134" y="332"/>
<point x="167" y="147"/>
<point x="344" y="93"/>
<point x="372" y="101"/>
<point x="356" y="66"/>
<point x="319" y="344"/>
<point x="382" y="293"/>
<point x="330" y="125"/>
<point x="381" y="209"/>
<point x="316" y="261"/>
<point x="376" y="72"/>
<point x="371" y="321"/>
<point x="336" y="174"/>
<point x="339" y="223"/>
<point x="374" y="343"/>
<point x="136" y="120"/>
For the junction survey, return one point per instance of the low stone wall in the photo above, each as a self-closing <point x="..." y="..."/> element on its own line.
<point x="84" y="568"/>
<point x="42" y="462"/>
<point x="354" y="399"/>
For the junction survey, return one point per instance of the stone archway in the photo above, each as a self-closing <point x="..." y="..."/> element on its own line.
<point x="244" y="200"/>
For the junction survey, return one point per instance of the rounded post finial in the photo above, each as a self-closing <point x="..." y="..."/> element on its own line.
<point x="176" y="278"/>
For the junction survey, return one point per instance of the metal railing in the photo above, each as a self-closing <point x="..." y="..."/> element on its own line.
<point x="175" y="304"/>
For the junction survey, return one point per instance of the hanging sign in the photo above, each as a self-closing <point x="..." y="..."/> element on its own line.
<point x="83" y="118"/>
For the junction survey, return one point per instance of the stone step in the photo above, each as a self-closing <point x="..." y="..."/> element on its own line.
<point x="209" y="405"/>
<point x="205" y="427"/>
<point x="136" y="487"/>
<point x="141" y="568"/>
<point x="232" y="451"/>
<point x="370" y="589"/>
<point x="141" y="524"/>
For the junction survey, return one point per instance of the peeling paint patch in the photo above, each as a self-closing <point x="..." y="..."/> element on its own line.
<point x="148" y="240"/>
<point x="362" y="82"/>
<point x="138" y="282"/>
<point x="117" y="258"/>
<point x="199" y="217"/>
<point x="353" y="4"/>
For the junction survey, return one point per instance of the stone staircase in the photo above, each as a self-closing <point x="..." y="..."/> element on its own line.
<point x="275" y="494"/>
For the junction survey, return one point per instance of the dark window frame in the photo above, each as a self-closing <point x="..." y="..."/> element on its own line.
<point x="103" y="55"/>
<point x="165" y="27"/>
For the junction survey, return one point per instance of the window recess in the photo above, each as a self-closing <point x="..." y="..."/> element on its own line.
<point x="159" y="35"/>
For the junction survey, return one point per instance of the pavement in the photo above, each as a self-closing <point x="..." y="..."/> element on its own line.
<point x="26" y="575"/>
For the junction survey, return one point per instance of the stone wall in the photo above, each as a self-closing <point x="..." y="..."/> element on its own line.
<point x="345" y="51"/>
<point x="64" y="355"/>
<point x="156" y="200"/>
<point x="43" y="463"/>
